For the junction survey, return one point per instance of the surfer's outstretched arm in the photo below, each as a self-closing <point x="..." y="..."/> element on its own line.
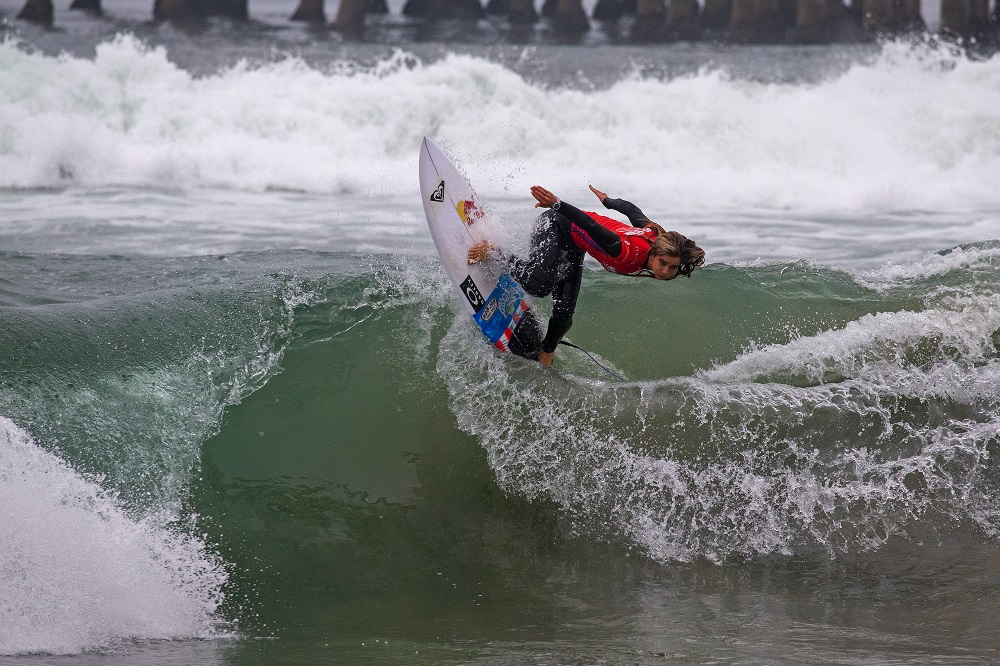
<point x="626" y="208"/>
<point x="606" y="239"/>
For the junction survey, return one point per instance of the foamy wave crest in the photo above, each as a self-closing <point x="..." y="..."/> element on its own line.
<point x="878" y="344"/>
<point x="916" y="129"/>
<point x="77" y="573"/>
<point x="975" y="265"/>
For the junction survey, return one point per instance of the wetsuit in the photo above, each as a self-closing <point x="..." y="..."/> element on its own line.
<point x="561" y="237"/>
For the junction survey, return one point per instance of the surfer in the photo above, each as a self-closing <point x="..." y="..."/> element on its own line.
<point x="564" y="233"/>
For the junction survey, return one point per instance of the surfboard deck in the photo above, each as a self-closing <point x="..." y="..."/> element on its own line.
<point x="492" y="297"/>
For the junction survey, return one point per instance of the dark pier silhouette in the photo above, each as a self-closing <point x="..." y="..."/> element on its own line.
<point x="649" y="21"/>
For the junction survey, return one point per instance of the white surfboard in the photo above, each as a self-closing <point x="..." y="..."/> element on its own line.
<point x="496" y="302"/>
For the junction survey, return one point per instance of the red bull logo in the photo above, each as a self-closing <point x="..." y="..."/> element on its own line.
<point x="469" y="211"/>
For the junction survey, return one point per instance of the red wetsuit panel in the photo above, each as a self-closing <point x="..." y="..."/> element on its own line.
<point x="635" y="244"/>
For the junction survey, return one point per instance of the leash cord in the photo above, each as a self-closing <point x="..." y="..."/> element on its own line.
<point x="591" y="356"/>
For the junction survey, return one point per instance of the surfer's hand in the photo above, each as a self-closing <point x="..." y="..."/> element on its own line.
<point x="601" y="196"/>
<point x="479" y="251"/>
<point x="545" y="358"/>
<point x="544" y="198"/>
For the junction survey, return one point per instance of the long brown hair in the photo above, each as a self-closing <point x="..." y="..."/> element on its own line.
<point x="673" y="244"/>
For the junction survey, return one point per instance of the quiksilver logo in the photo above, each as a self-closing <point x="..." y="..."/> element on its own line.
<point x="489" y="310"/>
<point x="438" y="194"/>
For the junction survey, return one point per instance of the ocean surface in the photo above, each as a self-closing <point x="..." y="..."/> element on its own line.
<point x="243" y="420"/>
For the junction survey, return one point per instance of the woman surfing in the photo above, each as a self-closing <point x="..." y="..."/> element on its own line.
<point x="564" y="234"/>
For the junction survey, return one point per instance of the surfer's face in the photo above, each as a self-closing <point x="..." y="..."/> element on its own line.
<point x="664" y="267"/>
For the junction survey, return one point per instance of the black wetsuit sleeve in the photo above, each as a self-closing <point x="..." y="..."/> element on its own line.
<point x="606" y="239"/>
<point x="629" y="210"/>
<point x="559" y="325"/>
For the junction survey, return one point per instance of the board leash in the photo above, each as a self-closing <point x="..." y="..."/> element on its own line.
<point x="591" y="356"/>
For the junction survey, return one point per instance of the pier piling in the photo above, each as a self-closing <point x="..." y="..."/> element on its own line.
<point x="87" y="5"/>
<point x="521" y="12"/>
<point x="608" y="10"/>
<point x="310" y="11"/>
<point x="37" y="11"/>
<point x="569" y="19"/>
<point x="715" y="15"/>
<point x="811" y="21"/>
<point x="234" y="9"/>
<point x="650" y="21"/>
<point x="440" y="9"/>
<point x="965" y="18"/>
<point x="350" y="21"/>
<point x="497" y="7"/>
<point x="758" y="22"/>
<point x="682" y="20"/>
<point x="891" y="16"/>
<point x="170" y="10"/>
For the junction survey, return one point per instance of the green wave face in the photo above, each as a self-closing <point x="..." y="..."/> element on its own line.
<point x="366" y="467"/>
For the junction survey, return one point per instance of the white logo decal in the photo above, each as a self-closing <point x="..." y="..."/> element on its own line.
<point x="489" y="310"/>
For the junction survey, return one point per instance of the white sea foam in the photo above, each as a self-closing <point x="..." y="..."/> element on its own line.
<point x="982" y="259"/>
<point x="77" y="573"/>
<point x="916" y="129"/>
<point x="962" y="331"/>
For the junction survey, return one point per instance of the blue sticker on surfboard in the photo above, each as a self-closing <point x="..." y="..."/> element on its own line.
<point x="502" y="312"/>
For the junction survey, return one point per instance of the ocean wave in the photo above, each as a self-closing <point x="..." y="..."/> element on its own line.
<point x="836" y="441"/>
<point x="913" y="130"/>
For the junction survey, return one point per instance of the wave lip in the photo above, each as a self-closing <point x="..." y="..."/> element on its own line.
<point x="77" y="573"/>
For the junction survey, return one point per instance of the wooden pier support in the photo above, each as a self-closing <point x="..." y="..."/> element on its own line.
<point x="891" y="16"/>
<point x="497" y="7"/>
<point x="234" y="9"/>
<point x="310" y="11"/>
<point x="965" y="18"/>
<point x="811" y="22"/>
<point x="437" y="9"/>
<point x="186" y="10"/>
<point x="650" y="21"/>
<point x="87" y="5"/>
<point x="521" y="12"/>
<point x="350" y="21"/>
<point x="715" y="15"/>
<point x="609" y="10"/>
<point x="682" y="20"/>
<point x="37" y="11"/>
<point x="758" y="22"/>
<point x="569" y="19"/>
<point x="171" y="10"/>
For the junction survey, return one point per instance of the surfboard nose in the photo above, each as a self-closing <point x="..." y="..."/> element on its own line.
<point x="428" y="143"/>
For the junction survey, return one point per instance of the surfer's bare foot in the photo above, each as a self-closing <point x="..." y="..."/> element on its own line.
<point x="545" y="358"/>
<point x="479" y="251"/>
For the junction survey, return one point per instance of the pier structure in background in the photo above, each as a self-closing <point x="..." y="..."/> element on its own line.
<point x="310" y="11"/>
<point x="969" y="18"/>
<point x="736" y="21"/>
<point x="186" y="10"/>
